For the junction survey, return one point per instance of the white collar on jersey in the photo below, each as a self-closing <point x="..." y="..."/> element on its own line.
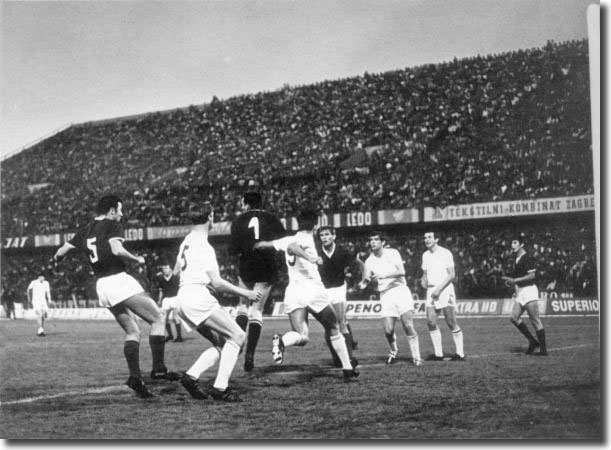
<point x="329" y="254"/>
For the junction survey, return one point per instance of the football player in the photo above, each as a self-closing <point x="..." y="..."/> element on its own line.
<point x="102" y="242"/>
<point x="257" y="269"/>
<point x="305" y="294"/>
<point x="384" y="268"/>
<point x="335" y="261"/>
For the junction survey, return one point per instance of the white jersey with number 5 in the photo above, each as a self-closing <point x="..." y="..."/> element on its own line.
<point x="299" y="268"/>
<point x="195" y="257"/>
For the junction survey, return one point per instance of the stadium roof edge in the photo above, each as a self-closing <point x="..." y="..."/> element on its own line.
<point x="36" y="141"/>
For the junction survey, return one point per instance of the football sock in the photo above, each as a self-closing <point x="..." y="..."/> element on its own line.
<point x="339" y="345"/>
<point x="457" y="336"/>
<point x="242" y="320"/>
<point x="436" y="338"/>
<point x="332" y="350"/>
<point x="414" y="346"/>
<point x="206" y="360"/>
<point x="349" y="343"/>
<point x="157" y="344"/>
<point x="291" y="338"/>
<point x="131" y="350"/>
<point x="254" y="331"/>
<point x="542" y="343"/>
<point x="392" y="342"/>
<point x="178" y="331"/>
<point x="525" y="331"/>
<point x="228" y="358"/>
<point x="168" y="329"/>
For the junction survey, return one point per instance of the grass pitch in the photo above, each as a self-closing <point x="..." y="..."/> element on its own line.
<point x="70" y="385"/>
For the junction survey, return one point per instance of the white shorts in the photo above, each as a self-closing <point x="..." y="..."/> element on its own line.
<point x="195" y="304"/>
<point x="113" y="289"/>
<point x="169" y="303"/>
<point x="396" y="301"/>
<point x="527" y="294"/>
<point x="337" y="294"/>
<point x="40" y="308"/>
<point x="305" y="294"/>
<point x="446" y="298"/>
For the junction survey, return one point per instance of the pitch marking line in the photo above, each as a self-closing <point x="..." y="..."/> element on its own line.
<point x="102" y="390"/>
<point x="107" y="389"/>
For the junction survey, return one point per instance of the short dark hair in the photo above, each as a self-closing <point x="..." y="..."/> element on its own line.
<point x="377" y="233"/>
<point x="199" y="214"/>
<point x="106" y="203"/>
<point x="307" y="218"/>
<point x="253" y="199"/>
<point x="328" y="228"/>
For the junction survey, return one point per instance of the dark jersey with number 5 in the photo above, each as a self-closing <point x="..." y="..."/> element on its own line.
<point x="253" y="226"/>
<point x="93" y="240"/>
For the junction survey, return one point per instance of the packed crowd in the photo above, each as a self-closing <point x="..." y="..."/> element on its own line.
<point x="565" y="251"/>
<point x="508" y="126"/>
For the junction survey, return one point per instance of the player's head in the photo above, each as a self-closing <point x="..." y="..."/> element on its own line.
<point x="110" y="206"/>
<point x="41" y="277"/>
<point x="166" y="269"/>
<point x="517" y="242"/>
<point x="307" y="218"/>
<point x="377" y="240"/>
<point x="326" y="234"/>
<point x="201" y="214"/>
<point x="430" y="239"/>
<point x="252" y="200"/>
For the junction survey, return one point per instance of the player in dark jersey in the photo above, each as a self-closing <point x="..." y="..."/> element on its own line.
<point x="523" y="276"/>
<point x="167" y="284"/>
<point x="335" y="261"/>
<point x="102" y="242"/>
<point x="257" y="269"/>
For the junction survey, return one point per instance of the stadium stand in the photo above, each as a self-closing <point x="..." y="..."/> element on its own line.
<point x="488" y="128"/>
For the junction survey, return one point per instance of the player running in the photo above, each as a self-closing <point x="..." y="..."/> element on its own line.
<point x="384" y="267"/>
<point x="305" y="294"/>
<point x="257" y="269"/>
<point x="199" y="269"/>
<point x="102" y="242"/>
<point x="39" y="296"/>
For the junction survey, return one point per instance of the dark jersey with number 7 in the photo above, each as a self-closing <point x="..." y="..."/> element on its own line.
<point x="93" y="240"/>
<point x="253" y="226"/>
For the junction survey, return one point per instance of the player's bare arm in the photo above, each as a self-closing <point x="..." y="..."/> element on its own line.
<point x="424" y="282"/>
<point x="117" y="249"/>
<point x="61" y="252"/>
<point x="296" y="249"/>
<point x="262" y="245"/>
<point x="220" y="284"/>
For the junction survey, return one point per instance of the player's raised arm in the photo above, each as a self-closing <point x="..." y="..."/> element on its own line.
<point x="62" y="251"/>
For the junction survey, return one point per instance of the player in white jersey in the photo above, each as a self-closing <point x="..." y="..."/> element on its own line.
<point x="199" y="269"/>
<point x="385" y="268"/>
<point x="306" y="293"/>
<point x="39" y="295"/>
<point x="437" y="278"/>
